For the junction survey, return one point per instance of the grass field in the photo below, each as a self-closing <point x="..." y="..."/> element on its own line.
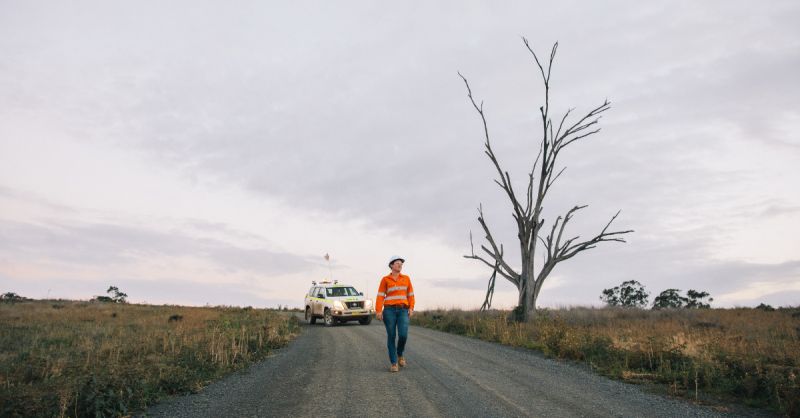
<point x="744" y="355"/>
<point x="66" y="358"/>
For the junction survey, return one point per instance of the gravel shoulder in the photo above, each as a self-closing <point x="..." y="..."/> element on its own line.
<point x="343" y="371"/>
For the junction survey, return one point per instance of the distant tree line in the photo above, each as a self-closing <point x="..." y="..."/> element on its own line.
<point x="11" y="297"/>
<point x="114" y="296"/>
<point x="632" y="294"/>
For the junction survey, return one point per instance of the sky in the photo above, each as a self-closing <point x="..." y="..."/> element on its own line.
<point x="212" y="153"/>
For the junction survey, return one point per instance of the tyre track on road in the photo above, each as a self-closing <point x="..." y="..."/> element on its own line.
<point x="342" y="371"/>
<point x="521" y="381"/>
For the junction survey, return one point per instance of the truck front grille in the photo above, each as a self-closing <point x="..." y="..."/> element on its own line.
<point x="355" y="305"/>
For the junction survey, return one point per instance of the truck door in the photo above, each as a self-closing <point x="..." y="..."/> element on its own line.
<point x="319" y="303"/>
<point x="310" y="298"/>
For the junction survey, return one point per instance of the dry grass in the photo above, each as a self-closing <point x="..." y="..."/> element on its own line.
<point x="748" y="354"/>
<point x="63" y="358"/>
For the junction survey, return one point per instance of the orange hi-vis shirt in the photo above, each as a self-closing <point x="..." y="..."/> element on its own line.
<point x="395" y="292"/>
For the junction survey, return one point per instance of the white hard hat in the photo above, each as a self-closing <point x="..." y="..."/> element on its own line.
<point x="395" y="258"/>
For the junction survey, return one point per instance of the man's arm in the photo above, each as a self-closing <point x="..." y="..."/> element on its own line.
<point x="410" y="298"/>
<point x="379" y="300"/>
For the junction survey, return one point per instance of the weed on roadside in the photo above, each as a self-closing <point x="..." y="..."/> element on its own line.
<point x="751" y="356"/>
<point x="91" y="359"/>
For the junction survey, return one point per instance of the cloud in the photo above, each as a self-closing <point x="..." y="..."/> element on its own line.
<point x="11" y="196"/>
<point x="659" y="266"/>
<point x="357" y="114"/>
<point x="758" y="290"/>
<point x="776" y="210"/>
<point x="108" y="245"/>
<point x="469" y="284"/>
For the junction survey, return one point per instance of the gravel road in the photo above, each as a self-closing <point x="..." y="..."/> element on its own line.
<point x="343" y="371"/>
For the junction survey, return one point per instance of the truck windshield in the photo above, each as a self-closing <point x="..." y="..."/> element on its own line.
<point x="341" y="291"/>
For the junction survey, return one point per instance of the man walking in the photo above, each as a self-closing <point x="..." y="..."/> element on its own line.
<point x="394" y="306"/>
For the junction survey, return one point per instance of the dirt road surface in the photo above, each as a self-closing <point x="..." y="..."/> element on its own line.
<point x="343" y="372"/>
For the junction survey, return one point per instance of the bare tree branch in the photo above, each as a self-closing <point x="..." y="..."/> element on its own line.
<point x="569" y="250"/>
<point x="484" y="261"/>
<point x="487" y="302"/>
<point x="495" y="253"/>
<point x="506" y="181"/>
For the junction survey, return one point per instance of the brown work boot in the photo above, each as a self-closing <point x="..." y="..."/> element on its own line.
<point x="394" y="368"/>
<point x="401" y="361"/>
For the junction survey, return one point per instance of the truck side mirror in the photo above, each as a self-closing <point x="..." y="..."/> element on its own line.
<point x="360" y="293"/>
<point x="320" y="295"/>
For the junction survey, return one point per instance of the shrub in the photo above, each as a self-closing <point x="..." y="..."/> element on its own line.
<point x="695" y="299"/>
<point x="115" y="296"/>
<point x="672" y="299"/>
<point x="11" y="297"/>
<point x="669" y="298"/>
<point x="629" y="294"/>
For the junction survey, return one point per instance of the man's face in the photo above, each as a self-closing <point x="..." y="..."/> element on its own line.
<point x="396" y="266"/>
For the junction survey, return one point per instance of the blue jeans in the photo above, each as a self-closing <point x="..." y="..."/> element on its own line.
<point x="395" y="319"/>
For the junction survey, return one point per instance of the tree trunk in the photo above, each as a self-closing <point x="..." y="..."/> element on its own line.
<point x="526" y="306"/>
<point x="530" y="309"/>
<point x="528" y="289"/>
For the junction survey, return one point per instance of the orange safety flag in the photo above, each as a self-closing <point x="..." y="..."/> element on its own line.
<point x="395" y="292"/>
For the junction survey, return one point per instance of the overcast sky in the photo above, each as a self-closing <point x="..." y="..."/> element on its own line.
<point x="205" y="153"/>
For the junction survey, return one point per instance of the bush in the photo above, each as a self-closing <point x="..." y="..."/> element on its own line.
<point x="629" y="294"/>
<point x="765" y="307"/>
<point x="11" y="297"/>
<point x="695" y="300"/>
<point x="669" y="298"/>
<point x="672" y="299"/>
<point x="115" y="296"/>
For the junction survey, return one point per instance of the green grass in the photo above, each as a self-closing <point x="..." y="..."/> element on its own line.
<point x="65" y="358"/>
<point x="732" y="355"/>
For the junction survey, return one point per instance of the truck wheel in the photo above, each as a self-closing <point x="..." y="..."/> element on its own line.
<point x="365" y="321"/>
<point x="310" y="317"/>
<point x="328" y="318"/>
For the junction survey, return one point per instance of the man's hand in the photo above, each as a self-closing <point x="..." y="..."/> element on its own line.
<point x="379" y="316"/>
<point x="410" y="312"/>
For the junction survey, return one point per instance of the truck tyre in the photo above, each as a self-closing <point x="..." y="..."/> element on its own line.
<point x="310" y="317"/>
<point x="328" y="318"/>
<point x="365" y="321"/>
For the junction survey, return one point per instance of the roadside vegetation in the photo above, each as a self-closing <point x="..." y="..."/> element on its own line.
<point x="748" y="355"/>
<point x="69" y="358"/>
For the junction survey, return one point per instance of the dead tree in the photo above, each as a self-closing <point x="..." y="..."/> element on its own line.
<point x="527" y="210"/>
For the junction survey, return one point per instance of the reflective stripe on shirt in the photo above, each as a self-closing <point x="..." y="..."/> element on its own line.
<point x="393" y="288"/>
<point x="395" y="297"/>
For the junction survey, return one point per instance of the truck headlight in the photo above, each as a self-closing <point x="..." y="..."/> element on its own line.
<point x="367" y="303"/>
<point x="338" y="305"/>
